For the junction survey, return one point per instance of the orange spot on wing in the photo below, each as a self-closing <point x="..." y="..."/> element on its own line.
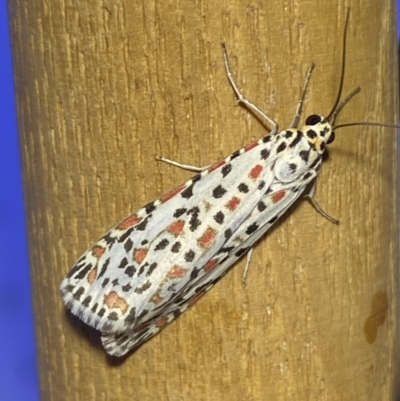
<point x="196" y="297"/>
<point x="112" y="300"/>
<point x="129" y="222"/>
<point x="250" y="146"/>
<point x="156" y="298"/>
<point x="177" y="272"/>
<point x="139" y="254"/>
<point x="176" y="227"/>
<point x="216" y="165"/>
<point x="233" y="203"/>
<point x="162" y="321"/>
<point x="172" y="193"/>
<point x="255" y="171"/>
<point x="276" y="197"/>
<point x="211" y="264"/>
<point x="98" y="251"/>
<point x="207" y="239"/>
<point x="92" y="276"/>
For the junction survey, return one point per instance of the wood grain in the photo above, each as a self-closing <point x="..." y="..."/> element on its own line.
<point x="103" y="87"/>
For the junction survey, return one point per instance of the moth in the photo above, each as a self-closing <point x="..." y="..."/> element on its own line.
<point x="153" y="265"/>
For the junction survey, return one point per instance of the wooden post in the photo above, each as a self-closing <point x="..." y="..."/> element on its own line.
<point x="105" y="87"/>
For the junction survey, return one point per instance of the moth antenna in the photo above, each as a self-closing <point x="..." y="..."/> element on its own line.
<point x="333" y="112"/>
<point x="375" y="124"/>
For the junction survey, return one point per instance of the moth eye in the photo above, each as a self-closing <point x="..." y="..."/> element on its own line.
<point x="331" y="138"/>
<point x="313" y="119"/>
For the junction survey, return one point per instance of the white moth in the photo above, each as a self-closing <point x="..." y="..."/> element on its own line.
<point x="153" y="265"/>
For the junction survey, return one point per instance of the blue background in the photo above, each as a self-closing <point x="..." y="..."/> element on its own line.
<point x="18" y="371"/>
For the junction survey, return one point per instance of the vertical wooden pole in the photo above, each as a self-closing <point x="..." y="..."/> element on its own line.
<point x="105" y="87"/>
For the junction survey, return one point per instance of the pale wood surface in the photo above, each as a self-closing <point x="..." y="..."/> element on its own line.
<point x="105" y="87"/>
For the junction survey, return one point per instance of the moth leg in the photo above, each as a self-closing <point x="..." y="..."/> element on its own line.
<point x="246" y="269"/>
<point x="181" y="165"/>
<point x="242" y="99"/>
<point x="319" y="209"/>
<point x="299" y="108"/>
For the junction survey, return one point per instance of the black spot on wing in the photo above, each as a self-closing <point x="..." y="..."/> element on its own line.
<point x="151" y="268"/>
<point x="252" y="228"/>
<point x="218" y="192"/>
<point x="179" y="212"/>
<point x="123" y="263"/>
<point x="226" y="170"/>
<point x="176" y="247"/>
<point x="130" y="318"/>
<point x="130" y="270"/>
<point x="219" y="217"/>
<point x="142" y="225"/>
<point x="261" y="185"/>
<point x="235" y="154"/>
<point x="161" y="245"/>
<point x="86" y="301"/>
<point x="261" y="206"/>
<point x="82" y="273"/>
<point x="265" y="154"/>
<point x="113" y="316"/>
<point x="196" y="178"/>
<point x="242" y="187"/>
<point x="188" y="192"/>
<point x="143" y="288"/>
<point x="189" y="256"/>
<point x="194" y="220"/>
<point x="104" y="268"/>
<point x="241" y="251"/>
<point x="77" y="294"/>
<point x="126" y="234"/>
<point x="149" y="207"/>
<point x="142" y="268"/>
<point x="128" y="245"/>
<point x="228" y="233"/>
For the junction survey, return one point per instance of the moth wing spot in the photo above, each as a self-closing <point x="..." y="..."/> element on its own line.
<point x="196" y="297"/>
<point x="172" y="193"/>
<point x="176" y="227"/>
<point x="233" y="203"/>
<point x="140" y="254"/>
<point x="98" y="251"/>
<point x="276" y="197"/>
<point x="177" y="272"/>
<point x="207" y="239"/>
<point x="129" y="222"/>
<point x="162" y="322"/>
<point x="255" y="171"/>
<point x="112" y="300"/>
<point x="211" y="264"/>
<point x="92" y="275"/>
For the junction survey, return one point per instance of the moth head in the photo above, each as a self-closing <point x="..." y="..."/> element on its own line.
<point x="319" y="131"/>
